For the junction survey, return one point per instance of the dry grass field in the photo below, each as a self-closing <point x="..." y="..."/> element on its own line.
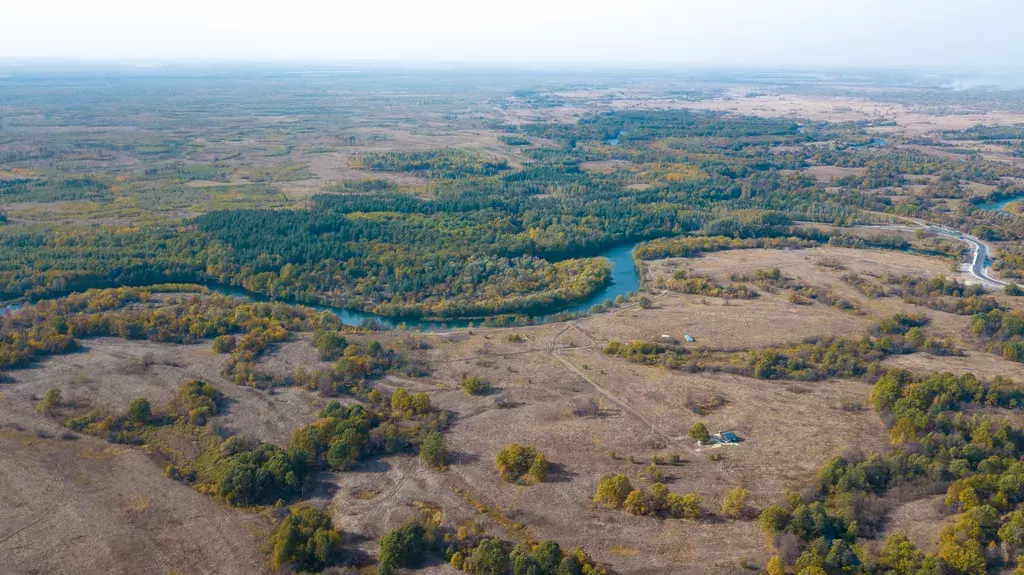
<point x="82" y="506"/>
<point x="100" y="505"/>
<point x="77" y="504"/>
<point x="771" y="318"/>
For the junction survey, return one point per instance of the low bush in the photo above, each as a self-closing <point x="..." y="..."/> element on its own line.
<point x="474" y="385"/>
<point x="305" y="540"/>
<point x="516" y="460"/>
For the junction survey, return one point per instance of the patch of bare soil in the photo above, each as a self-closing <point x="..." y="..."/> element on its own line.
<point x="768" y="415"/>
<point x="805" y="262"/>
<point x="110" y="372"/>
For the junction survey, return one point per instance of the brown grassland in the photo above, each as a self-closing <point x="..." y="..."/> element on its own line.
<point x="59" y="489"/>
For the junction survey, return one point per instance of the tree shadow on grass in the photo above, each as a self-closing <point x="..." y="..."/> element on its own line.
<point x="463" y="458"/>
<point x="224" y="404"/>
<point x="353" y="538"/>
<point x="321" y="486"/>
<point x="667" y="479"/>
<point x="375" y="465"/>
<point x="558" y="473"/>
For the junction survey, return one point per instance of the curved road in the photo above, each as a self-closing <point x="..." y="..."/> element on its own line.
<point x="979" y="257"/>
<point x="979" y="267"/>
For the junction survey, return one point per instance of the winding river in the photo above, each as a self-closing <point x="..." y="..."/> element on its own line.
<point x="625" y="280"/>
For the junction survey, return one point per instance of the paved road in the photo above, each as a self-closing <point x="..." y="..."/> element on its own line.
<point x="979" y="255"/>
<point x="980" y="251"/>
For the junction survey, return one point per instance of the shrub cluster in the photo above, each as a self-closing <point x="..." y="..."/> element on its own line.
<point x="343" y="435"/>
<point x="306" y="540"/>
<point x="515" y="461"/>
<point x="474" y="385"/>
<point x="616" y="491"/>
<point x="470" y="550"/>
<point x="704" y="285"/>
<point x="813" y="360"/>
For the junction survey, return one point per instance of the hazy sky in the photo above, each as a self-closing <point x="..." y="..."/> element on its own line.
<point x="685" y="32"/>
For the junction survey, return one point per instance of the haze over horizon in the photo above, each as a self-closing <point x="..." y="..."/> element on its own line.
<point x="782" y="33"/>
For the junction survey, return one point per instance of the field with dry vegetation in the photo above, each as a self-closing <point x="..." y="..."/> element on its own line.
<point x="551" y="386"/>
<point x="807" y="376"/>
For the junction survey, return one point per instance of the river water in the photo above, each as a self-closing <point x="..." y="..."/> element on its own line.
<point x="615" y="141"/>
<point x="1000" y="205"/>
<point x="625" y="280"/>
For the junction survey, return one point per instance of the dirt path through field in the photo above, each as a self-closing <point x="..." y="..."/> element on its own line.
<point x="608" y="394"/>
<point x="614" y="399"/>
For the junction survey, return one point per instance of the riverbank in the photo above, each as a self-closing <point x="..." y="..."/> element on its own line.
<point x="999" y="205"/>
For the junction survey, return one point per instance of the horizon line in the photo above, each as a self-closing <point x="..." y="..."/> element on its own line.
<point x="156" y="62"/>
